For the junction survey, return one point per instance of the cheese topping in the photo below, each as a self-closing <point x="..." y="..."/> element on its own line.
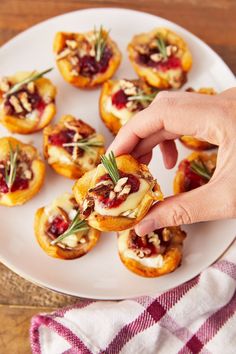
<point x="124" y="114"/>
<point x="131" y="203"/>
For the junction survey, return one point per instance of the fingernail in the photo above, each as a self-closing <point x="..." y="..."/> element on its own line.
<point x="145" y="226"/>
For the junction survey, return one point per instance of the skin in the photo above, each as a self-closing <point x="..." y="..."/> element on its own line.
<point x="171" y="115"/>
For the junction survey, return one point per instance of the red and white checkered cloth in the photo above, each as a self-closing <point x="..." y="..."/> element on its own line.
<point x="196" y="317"/>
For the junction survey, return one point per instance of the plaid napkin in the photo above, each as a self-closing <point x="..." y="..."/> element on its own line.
<point x="196" y="317"/>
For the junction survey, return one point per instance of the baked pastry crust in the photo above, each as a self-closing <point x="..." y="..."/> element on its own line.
<point x="60" y="159"/>
<point x="168" y="74"/>
<point x="194" y="143"/>
<point x="57" y="251"/>
<point x="115" y="117"/>
<point x="37" y="170"/>
<point x="179" y="184"/>
<point x="152" y="265"/>
<point x="70" y="69"/>
<point x="39" y="117"/>
<point x="128" y="165"/>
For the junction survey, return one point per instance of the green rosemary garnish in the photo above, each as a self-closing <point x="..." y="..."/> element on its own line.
<point x="32" y="77"/>
<point x="10" y="171"/>
<point x="100" y="43"/>
<point x="109" y="162"/>
<point x="76" y="225"/>
<point x="141" y="96"/>
<point x="162" y="47"/>
<point x="85" y="144"/>
<point x="200" y="169"/>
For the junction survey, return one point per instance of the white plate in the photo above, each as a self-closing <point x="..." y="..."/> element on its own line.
<point x="100" y="274"/>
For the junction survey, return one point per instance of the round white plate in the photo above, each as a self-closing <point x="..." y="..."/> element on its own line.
<point x="100" y="274"/>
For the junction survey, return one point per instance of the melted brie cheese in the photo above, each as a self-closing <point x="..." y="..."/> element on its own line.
<point x="124" y="114"/>
<point x="62" y="201"/>
<point x="131" y="203"/>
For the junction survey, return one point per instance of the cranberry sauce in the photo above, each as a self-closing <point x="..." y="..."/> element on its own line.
<point x="171" y="62"/>
<point x="103" y="193"/>
<point x="57" y="227"/>
<point x="88" y="66"/>
<point x="144" y="244"/>
<point x="119" y="99"/>
<point x="34" y="99"/>
<point x="19" y="184"/>
<point x="192" y="180"/>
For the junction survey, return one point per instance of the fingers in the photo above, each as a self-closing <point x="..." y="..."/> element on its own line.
<point x="209" y="202"/>
<point x="145" y="158"/>
<point x="177" y="113"/>
<point x="169" y="153"/>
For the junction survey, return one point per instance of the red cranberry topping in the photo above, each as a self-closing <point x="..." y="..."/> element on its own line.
<point x="119" y="99"/>
<point x="18" y="185"/>
<point x="171" y="63"/>
<point x="63" y="137"/>
<point x="58" y="226"/>
<point x="138" y="243"/>
<point x="89" y="66"/>
<point x="3" y="186"/>
<point x="192" y="180"/>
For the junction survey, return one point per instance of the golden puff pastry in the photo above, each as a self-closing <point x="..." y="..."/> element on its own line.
<point x="194" y="143"/>
<point x="161" y="58"/>
<point x="194" y="171"/>
<point x="22" y="172"/>
<point x="121" y="99"/>
<point x="30" y="108"/>
<point x="72" y="147"/>
<point x="53" y="221"/>
<point x="110" y="206"/>
<point x="86" y="60"/>
<point x="152" y="255"/>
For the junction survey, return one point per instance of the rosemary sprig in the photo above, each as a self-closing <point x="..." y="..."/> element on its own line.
<point x="100" y="43"/>
<point x="200" y="169"/>
<point x="10" y="173"/>
<point x="32" y="77"/>
<point x="109" y="162"/>
<point x="141" y="96"/>
<point x="76" y="225"/>
<point x="85" y="144"/>
<point x="162" y="47"/>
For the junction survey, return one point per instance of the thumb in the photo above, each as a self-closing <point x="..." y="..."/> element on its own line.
<point x="208" y="202"/>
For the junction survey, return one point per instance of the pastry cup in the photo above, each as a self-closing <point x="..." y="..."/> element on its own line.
<point x="179" y="180"/>
<point x="56" y="251"/>
<point x="66" y="68"/>
<point x="20" y="197"/>
<point x="170" y="259"/>
<point x="194" y="143"/>
<point x="127" y="164"/>
<point x="15" y="124"/>
<point x="63" y="162"/>
<point x="156" y="77"/>
<point x="112" y="121"/>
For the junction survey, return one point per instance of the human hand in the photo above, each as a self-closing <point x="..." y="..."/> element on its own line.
<point x="171" y="115"/>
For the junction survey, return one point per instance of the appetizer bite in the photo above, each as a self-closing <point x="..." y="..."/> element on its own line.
<point x="61" y="232"/>
<point x="72" y="147"/>
<point x="161" y="58"/>
<point x="22" y="172"/>
<point x="117" y="194"/>
<point x="121" y="99"/>
<point x="86" y="59"/>
<point x="194" y="171"/>
<point x="27" y="102"/>
<point x="152" y="255"/>
<point x="191" y="142"/>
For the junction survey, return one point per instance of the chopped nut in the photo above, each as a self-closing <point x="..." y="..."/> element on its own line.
<point x="112" y="195"/>
<point x="77" y="137"/>
<point x="166" y="234"/>
<point x="72" y="44"/>
<point x="92" y="52"/>
<point x="126" y="84"/>
<point x="63" y="54"/>
<point x="140" y="254"/>
<point x="141" y="49"/>
<point x="82" y="240"/>
<point x="125" y="190"/>
<point x="16" y="104"/>
<point x="74" y="72"/>
<point x="105" y="183"/>
<point x="47" y="99"/>
<point x="156" y="57"/>
<point x="25" y="102"/>
<point x="153" y="238"/>
<point x="120" y="184"/>
<point x="4" y="84"/>
<point x="72" y="214"/>
<point x="31" y="87"/>
<point x="130" y="91"/>
<point x="74" y="60"/>
<point x="70" y="126"/>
